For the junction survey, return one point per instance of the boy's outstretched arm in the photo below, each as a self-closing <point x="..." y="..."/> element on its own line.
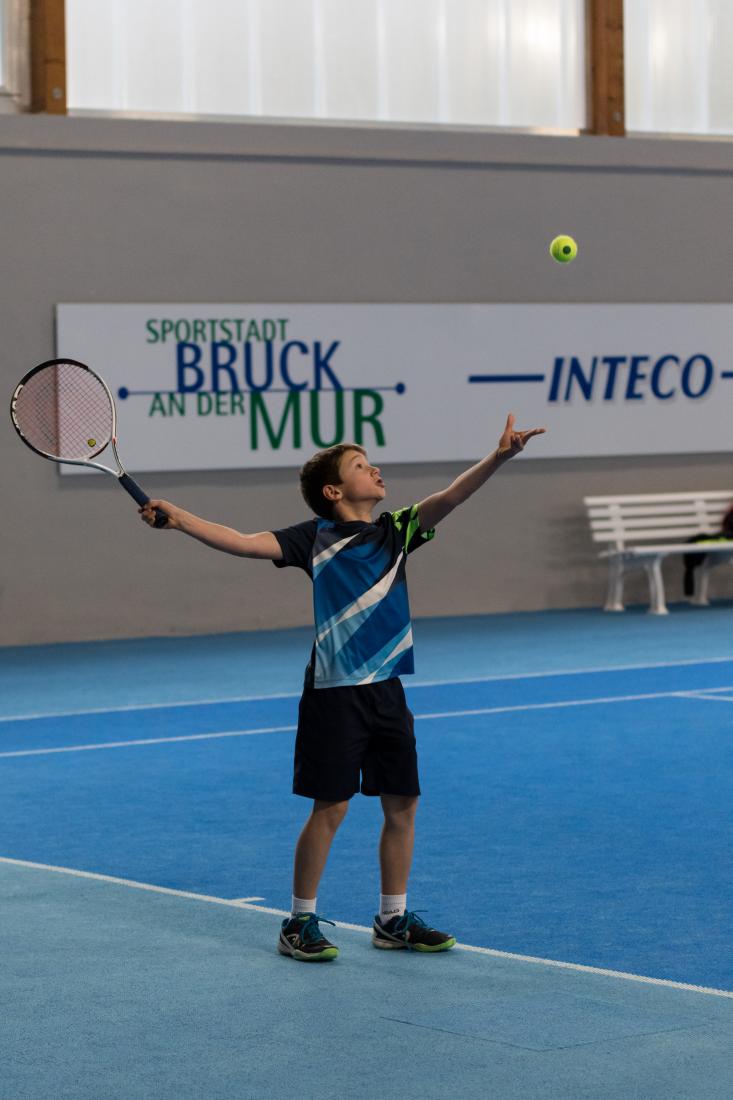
<point x="262" y="545"/>
<point x="436" y="507"/>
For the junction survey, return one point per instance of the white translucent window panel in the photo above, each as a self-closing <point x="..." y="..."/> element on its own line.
<point x="477" y="62"/>
<point x="678" y="66"/>
<point x="221" y="75"/>
<point x="547" y="51"/>
<point x="410" y="41"/>
<point x="125" y="56"/>
<point x="350" y="61"/>
<point x="3" y="63"/>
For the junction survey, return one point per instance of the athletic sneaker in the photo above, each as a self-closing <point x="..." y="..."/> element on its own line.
<point x="410" y="931"/>
<point x="301" y="938"/>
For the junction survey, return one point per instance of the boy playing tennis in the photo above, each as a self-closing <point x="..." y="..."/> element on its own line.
<point x="355" y="732"/>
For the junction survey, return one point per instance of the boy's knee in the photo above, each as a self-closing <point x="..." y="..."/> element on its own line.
<point x="399" y="809"/>
<point x="332" y="813"/>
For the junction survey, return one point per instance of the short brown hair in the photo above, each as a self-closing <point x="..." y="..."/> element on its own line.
<point x="323" y="469"/>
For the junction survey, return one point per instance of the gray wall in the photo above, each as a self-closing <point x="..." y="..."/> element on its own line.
<point x="124" y="210"/>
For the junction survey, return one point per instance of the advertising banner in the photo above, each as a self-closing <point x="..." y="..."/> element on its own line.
<point x="235" y="386"/>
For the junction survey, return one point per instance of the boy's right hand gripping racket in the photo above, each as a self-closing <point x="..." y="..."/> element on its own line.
<point x="63" y="411"/>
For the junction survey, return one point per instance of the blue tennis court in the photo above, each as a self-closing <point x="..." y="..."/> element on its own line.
<point x="576" y="810"/>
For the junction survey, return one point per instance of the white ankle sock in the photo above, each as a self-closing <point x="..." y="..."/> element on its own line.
<point x="391" y="905"/>
<point x="303" y="905"/>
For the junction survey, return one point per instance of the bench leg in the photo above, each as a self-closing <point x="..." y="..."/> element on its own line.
<point x="657" y="606"/>
<point x="615" y="594"/>
<point x="701" y="585"/>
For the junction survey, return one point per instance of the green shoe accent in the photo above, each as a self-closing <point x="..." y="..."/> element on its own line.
<point x="323" y="956"/>
<point x="440" y="947"/>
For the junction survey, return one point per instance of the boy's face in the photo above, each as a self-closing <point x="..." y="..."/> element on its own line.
<point x="360" y="481"/>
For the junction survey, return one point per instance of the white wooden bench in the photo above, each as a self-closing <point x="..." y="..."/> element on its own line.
<point x="668" y="519"/>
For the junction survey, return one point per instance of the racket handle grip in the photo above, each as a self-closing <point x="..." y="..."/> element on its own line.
<point x="141" y="498"/>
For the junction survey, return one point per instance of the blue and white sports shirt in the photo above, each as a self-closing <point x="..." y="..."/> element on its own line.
<point x="360" y="604"/>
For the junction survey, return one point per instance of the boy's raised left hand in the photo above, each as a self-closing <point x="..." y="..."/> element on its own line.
<point x="511" y="442"/>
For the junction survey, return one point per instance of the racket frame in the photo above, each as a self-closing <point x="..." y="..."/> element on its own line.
<point x="71" y="461"/>
<point x="128" y="484"/>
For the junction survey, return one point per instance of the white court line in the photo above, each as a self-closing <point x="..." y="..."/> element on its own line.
<point x="416" y="684"/>
<point x="290" y="729"/>
<point x="148" y="706"/>
<point x="550" y="706"/>
<point x="665" y="982"/>
<point x="706" y="691"/>
<point x="149" y="741"/>
<point x="711" y="698"/>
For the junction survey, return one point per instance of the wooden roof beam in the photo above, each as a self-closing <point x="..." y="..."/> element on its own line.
<point x="606" y="90"/>
<point x="48" y="56"/>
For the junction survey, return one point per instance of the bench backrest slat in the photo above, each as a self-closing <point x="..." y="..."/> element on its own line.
<point x="628" y="511"/>
<point x="672" y="534"/>
<point x="647" y="498"/>
<point x="656" y="523"/>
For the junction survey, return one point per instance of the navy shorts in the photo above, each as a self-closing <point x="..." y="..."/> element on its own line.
<point x="355" y="738"/>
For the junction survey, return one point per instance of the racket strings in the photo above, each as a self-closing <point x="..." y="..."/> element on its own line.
<point x="64" y="411"/>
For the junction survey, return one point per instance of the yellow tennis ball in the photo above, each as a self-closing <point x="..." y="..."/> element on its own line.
<point x="91" y="443"/>
<point x="563" y="249"/>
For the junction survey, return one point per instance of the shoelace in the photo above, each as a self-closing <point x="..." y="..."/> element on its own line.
<point x="410" y="917"/>
<point x="310" y="930"/>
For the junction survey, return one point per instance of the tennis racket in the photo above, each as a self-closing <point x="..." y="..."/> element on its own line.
<point x="63" y="411"/>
